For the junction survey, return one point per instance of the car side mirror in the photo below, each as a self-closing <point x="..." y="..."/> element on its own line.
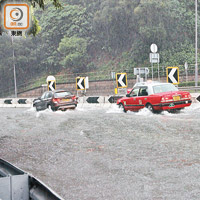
<point x="129" y="90"/>
<point x="128" y="95"/>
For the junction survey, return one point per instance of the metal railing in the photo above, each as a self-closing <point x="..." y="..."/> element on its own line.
<point x="97" y="76"/>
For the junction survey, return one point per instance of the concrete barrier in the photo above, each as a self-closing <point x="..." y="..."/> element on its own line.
<point x="16" y="102"/>
<point x="28" y="102"/>
<point x="195" y="97"/>
<point x="99" y="100"/>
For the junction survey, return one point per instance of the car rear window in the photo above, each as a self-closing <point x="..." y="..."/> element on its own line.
<point x="62" y="94"/>
<point x="164" y="88"/>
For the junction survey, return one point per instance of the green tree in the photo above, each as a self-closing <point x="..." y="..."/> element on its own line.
<point x="73" y="21"/>
<point x="74" y="53"/>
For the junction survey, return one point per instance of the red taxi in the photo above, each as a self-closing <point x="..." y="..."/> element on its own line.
<point x="156" y="97"/>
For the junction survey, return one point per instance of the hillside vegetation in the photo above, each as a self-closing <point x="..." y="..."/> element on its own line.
<point x="100" y="35"/>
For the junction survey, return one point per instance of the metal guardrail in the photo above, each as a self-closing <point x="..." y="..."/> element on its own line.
<point x="190" y="88"/>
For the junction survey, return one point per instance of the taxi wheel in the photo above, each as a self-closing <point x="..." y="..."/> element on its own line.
<point x="150" y="107"/>
<point x="121" y="106"/>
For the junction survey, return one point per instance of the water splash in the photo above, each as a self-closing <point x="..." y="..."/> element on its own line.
<point x="144" y="112"/>
<point x="43" y="112"/>
<point x="32" y="109"/>
<point x="114" y="109"/>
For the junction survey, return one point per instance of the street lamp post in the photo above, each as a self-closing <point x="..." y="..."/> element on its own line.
<point x="14" y="67"/>
<point x="196" y="64"/>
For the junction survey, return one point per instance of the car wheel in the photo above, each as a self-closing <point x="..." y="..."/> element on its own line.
<point x="150" y="107"/>
<point x="121" y="106"/>
<point x="51" y="108"/>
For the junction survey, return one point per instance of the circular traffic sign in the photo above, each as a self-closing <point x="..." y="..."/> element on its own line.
<point x="50" y="78"/>
<point x="154" y="48"/>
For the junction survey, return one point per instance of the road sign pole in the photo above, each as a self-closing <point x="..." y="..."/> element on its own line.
<point x="15" y="82"/>
<point x="113" y="77"/>
<point x="114" y="84"/>
<point x="158" y="72"/>
<point x="145" y="76"/>
<point x="154" y="56"/>
<point x="196" y="65"/>
<point x="186" y="73"/>
<point x="139" y="75"/>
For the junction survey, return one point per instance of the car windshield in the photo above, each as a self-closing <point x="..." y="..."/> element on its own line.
<point x="62" y="94"/>
<point x="164" y="88"/>
<point x="134" y="92"/>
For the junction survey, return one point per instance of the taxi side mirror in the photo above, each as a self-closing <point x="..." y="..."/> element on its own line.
<point x="129" y="90"/>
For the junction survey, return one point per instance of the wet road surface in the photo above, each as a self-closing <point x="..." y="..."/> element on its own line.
<point x="102" y="153"/>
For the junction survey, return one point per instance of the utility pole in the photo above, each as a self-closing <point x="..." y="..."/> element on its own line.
<point x="14" y="67"/>
<point x="196" y="64"/>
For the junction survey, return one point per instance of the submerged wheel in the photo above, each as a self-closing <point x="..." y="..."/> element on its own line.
<point x="51" y="108"/>
<point x="121" y="106"/>
<point x="150" y="107"/>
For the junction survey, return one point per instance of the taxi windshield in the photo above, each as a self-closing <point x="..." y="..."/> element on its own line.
<point x="164" y="88"/>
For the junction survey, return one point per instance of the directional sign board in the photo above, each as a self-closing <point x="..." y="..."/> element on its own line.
<point x="173" y="75"/>
<point x="121" y="80"/>
<point x="138" y="71"/>
<point x="51" y="83"/>
<point x="154" y="58"/>
<point x="92" y="100"/>
<point x="80" y="83"/>
<point x="113" y="99"/>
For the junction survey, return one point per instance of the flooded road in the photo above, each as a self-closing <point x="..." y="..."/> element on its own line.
<point x="102" y="153"/>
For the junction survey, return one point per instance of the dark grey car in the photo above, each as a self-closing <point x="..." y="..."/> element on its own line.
<point x="56" y="100"/>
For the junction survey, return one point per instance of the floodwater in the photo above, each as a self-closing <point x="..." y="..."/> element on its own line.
<point x="99" y="152"/>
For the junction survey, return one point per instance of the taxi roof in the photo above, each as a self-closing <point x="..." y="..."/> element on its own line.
<point x="149" y="83"/>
